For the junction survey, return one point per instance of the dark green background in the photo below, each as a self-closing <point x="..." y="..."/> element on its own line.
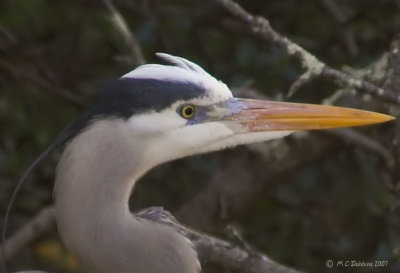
<point x="53" y="54"/>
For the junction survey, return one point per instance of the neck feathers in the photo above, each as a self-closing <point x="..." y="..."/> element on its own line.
<point x="94" y="180"/>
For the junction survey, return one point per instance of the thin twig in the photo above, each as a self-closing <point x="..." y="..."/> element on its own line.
<point x="232" y="230"/>
<point x="11" y="38"/>
<point x="356" y="138"/>
<point x="17" y="73"/>
<point x="120" y="24"/>
<point x="38" y="225"/>
<point x="305" y="78"/>
<point x="347" y="34"/>
<point x="261" y="28"/>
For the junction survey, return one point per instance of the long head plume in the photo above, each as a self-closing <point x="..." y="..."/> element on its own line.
<point x="66" y="135"/>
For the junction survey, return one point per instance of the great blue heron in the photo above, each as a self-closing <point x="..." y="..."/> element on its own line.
<point x="155" y="114"/>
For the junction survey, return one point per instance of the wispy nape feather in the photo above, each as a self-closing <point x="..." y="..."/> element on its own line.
<point x="66" y="135"/>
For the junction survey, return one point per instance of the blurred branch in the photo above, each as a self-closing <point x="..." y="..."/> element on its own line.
<point x="26" y="75"/>
<point x="304" y="78"/>
<point x="347" y="34"/>
<point x="233" y="258"/>
<point x="122" y="27"/>
<point x="393" y="71"/>
<point x="210" y="249"/>
<point x="261" y="28"/>
<point x="392" y="80"/>
<point x="246" y="91"/>
<point x="38" y="225"/>
<point x="356" y="138"/>
<point x="232" y="190"/>
<point x="4" y="31"/>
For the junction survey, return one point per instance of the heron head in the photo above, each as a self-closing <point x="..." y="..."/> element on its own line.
<point x="178" y="109"/>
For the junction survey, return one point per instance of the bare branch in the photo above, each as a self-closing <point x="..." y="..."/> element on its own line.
<point x="233" y="258"/>
<point x="210" y="249"/>
<point x="347" y="35"/>
<point x="393" y="72"/>
<point x="305" y="78"/>
<point x="356" y="138"/>
<point x="36" y="79"/>
<point x="11" y="38"/>
<point x="120" y="25"/>
<point x="392" y="179"/>
<point x="31" y="271"/>
<point x="261" y="28"/>
<point x="232" y="190"/>
<point x="38" y="225"/>
<point x="359" y="84"/>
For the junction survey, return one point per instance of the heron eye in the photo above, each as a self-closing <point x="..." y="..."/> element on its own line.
<point x="188" y="111"/>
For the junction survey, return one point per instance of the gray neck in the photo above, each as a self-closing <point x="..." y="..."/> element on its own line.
<point x="95" y="177"/>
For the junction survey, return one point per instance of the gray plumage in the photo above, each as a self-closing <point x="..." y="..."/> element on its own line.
<point x="93" y="217"/>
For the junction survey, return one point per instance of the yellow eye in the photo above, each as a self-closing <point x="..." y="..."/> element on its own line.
<point x="188" y="111"/>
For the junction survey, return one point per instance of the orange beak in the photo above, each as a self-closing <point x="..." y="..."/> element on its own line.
<point x="260" y="115"/>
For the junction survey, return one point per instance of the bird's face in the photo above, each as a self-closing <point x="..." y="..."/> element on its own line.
<point x="212" y="119"/>
<point x="201" y="125"/>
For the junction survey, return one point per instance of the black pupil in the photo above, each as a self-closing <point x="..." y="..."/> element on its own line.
<point x="188" y="111"/>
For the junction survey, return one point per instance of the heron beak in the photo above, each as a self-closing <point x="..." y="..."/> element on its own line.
<point x="259" y="115"/>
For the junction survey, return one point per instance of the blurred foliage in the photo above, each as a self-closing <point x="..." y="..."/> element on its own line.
<point x="51" y="252"/>
<point x="53" y="54"/>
